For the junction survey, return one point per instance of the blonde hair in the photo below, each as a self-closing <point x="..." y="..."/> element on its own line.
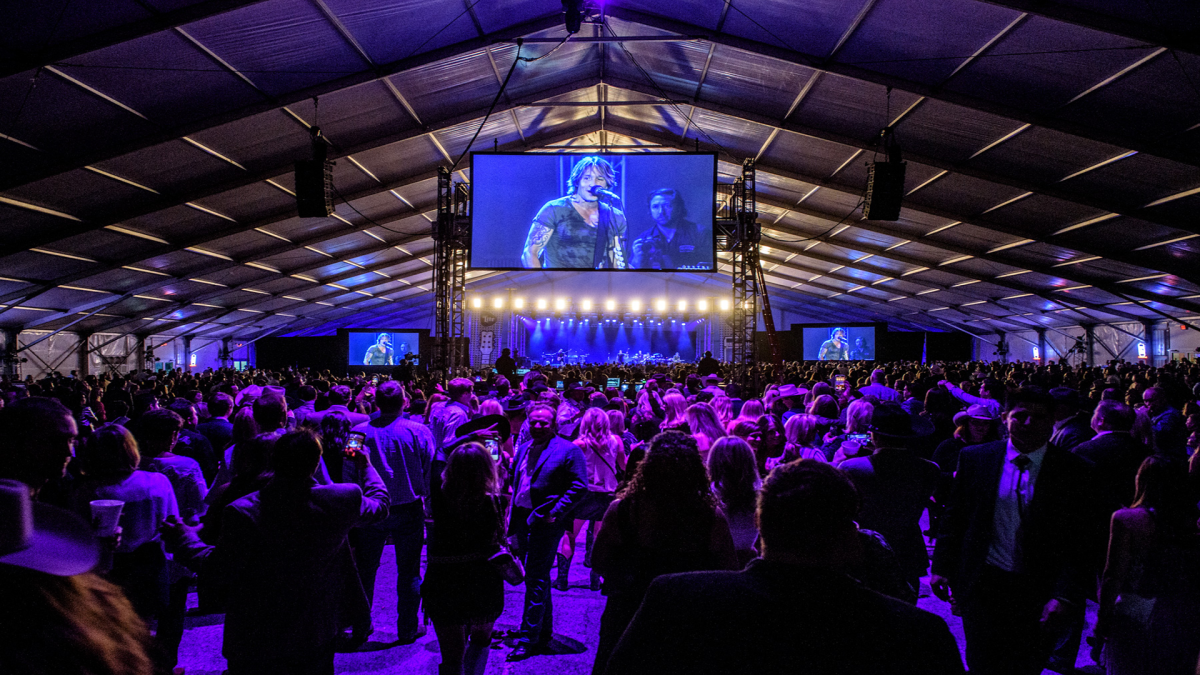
<point x="674" y="404"/>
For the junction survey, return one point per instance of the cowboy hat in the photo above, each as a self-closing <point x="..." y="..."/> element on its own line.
<point x="41" y="537"/>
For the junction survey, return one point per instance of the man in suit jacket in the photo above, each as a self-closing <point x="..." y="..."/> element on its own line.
<point x="1114" y="452"/>
<point x="1015" y="546"/>
<point x="1071" y="426"/>
<point x="549" y="477"/>
<point x="794" y="610"/>
<point x="284" y="564"/>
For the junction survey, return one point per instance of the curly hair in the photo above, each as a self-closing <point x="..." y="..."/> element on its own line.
<point x="673" y="484"/>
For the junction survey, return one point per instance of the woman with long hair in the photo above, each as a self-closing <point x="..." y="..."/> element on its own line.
<point x="604" y="454"/>
<point x="825" y="408"/>
<point x="723" y="406"/>
<point x="462" y="593"/>
<point x="852" y="443"/>
<point x="334" y="430"/>
<point x="705" y="426"/>
<point x="751" y="410"/>
<point x="675" y="405"/>
<point x="803" y="439"/>
<point x="1150" y="590"/>
<point x="767" y="441"/>
<point x="664" y="521"/>
<point x="735" y="483"/>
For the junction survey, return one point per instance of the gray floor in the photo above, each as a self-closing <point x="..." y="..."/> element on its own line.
<point x="576" y="620"/>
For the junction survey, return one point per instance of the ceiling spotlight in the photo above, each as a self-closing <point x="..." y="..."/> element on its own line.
<point x="635" y="305"/>
<point x="560" y="304"/>
<point x="683" y="305"/>
<point x="724" y="305"/>
<point x="519" y="303"/>
<point x="702" y="305"/>
<point x="573" y="15"/>
<point x="660" y="305"/>
<point x="477" y="303"/>
<point x="610" y="305"/>
<point x="498" y="303"/>
<point x="541" y="303"/>
<point x="586" y="305"/>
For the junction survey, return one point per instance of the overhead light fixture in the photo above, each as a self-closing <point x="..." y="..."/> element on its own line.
<point x="573" y="15"/>
<point x="519" y="303"/>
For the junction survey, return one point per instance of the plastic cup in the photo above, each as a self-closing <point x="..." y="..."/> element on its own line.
<point x="106" y="513"/>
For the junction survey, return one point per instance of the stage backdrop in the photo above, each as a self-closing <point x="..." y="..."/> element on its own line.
<point x="592" y="342"/>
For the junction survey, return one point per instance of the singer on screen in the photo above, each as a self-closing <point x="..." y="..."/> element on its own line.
<point x="380" y="353"/>
<point x="583" y="230"/>
<point x="836" y="348"/>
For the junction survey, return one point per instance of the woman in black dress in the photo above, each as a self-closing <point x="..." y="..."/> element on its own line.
<point x="462" y="593"/>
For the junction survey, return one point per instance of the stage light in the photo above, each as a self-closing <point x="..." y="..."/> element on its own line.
<point x="635" y="305"/>
<point x="498" y="303"/>
<point x="610" y="305"/>
<point x="477" y="303"/>
<point x="702" y="305"/>
<point x="586" y="305"/>
<point x="724" y="305"/>
<point x="519" y="303"/>
<point x="660" y="305"/>
<point x="560" y="304"/>
<point x="683" y="305"/>
<point x="541" y="303"/>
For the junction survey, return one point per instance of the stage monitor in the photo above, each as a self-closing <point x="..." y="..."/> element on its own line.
<point x="381" y="347"/>
<point x="645" y="212"/>
<point x="839" y="342"/>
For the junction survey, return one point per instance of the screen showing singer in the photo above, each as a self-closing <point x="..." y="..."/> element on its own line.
<point x="651" y="211"/>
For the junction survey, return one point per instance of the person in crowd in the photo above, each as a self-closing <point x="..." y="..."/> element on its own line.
<point x="1014" y="546"/>
<point x="991" y="393"/>
<point x="796" y="609"/>
<point x="604" y="454"/>
<point x="251" y="466"/>
<point x="723" y="406"/>
<point x="973" y="426"/>
<point x="463" y="593"/>
<point x="549" y="478"/>
<point x="803" y="435"/>
<point x="665" y="521"/>
<point x="217" y="428"/>
<point x="735" y="483"/>
<point x="334" y="431"/>
<point x="751" y="410"/>
<point x="767" y="440"/>
<point x="853" y="441"/>
<point x="403" y="453"/>
<point x="879" y="389"/>
<point x="940" y="411"/>
<point x="159" y="432"/>
<point x="37" y="439"/>
<point x="675" y="406"/>
<point x="339" y="399"/>
<point x="895" y="486"/>
<point x="446" y="419"/>
<point x="1150" y="589"/>
<point x="1170" y="430"/>
<point x="1071" y="425"/>
<point x="108" y="463"/>
<point x="58" y="616"/>
<point x="191" y="442"/>
<point x="1114" y="452"/>
<point x="283" y="562"/>
<point x="705" y="426"/>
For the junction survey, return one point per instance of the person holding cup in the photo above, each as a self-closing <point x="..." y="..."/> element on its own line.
<point x="114" y="491"/>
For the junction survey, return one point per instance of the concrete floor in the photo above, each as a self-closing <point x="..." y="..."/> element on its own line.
<point x="576" y="626"/>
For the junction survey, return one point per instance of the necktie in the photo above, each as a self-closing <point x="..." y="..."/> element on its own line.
<point x="1022" y="462"/>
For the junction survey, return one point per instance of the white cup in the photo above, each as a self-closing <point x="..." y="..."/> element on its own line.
<point x="106" y="513"/>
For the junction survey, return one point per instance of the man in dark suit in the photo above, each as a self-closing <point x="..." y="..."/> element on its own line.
<point x="794" y="610"/>
<point x="1114" y="452"/>
<point x="1016" y="543"/>
<point x="549" y="477"/>
<point x="1071" y="426"/>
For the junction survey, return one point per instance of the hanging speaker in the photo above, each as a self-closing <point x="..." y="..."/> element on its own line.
<point x="314" y="188"/>
<point x="885" y="190"/>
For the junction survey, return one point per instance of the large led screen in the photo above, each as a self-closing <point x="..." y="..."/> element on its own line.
<point x="839" y="343"/>
<point x="381" y="347"/>
<point x="605" y="212"/>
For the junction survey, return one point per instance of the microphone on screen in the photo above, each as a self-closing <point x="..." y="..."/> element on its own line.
<point x="601" y="192"/>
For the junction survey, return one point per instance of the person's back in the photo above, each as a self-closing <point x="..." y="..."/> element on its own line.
<point x="795" y="610"/>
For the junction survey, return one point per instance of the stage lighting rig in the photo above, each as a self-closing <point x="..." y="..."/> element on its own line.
<point x="573" y="14"/>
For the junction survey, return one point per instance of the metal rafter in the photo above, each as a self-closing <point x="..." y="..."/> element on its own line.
<point x="1106" y="23"/>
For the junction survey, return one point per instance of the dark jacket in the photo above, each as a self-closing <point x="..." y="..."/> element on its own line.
<point x="558" y="481"/>
<point x="1062" y="529"/>
<point x="779" y="618"/>
<point x="1116" y="458"/>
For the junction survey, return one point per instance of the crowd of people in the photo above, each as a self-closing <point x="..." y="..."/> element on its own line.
<point x="733" y="526"/>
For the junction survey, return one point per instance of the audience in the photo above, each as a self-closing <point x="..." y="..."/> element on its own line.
<point x="1019" y="545"/>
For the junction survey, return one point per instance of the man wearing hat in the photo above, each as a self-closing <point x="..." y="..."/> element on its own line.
<point x="895" y="486"/>
<point x="793" y="397"/>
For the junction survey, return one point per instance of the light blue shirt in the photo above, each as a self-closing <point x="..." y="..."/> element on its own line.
<point x="1016" y="486"/>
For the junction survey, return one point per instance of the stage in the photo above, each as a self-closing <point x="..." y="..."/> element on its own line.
<point x="648" y="341"/>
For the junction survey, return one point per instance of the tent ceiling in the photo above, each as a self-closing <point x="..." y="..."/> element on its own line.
<point x="146" y="151"/>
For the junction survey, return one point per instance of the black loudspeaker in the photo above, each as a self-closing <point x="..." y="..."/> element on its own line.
<point x="314" y="188"/>
<point x="885" y="190"/>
